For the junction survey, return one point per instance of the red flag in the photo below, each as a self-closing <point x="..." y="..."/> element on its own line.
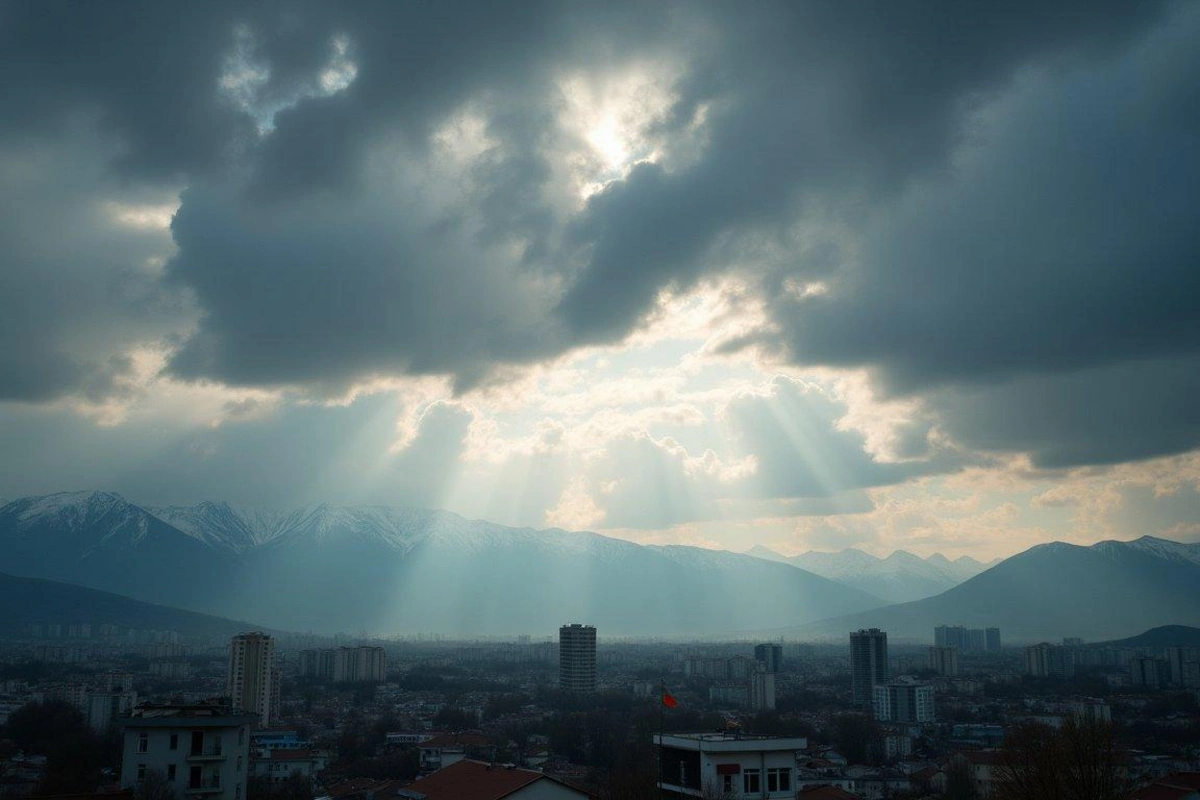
<point x="668" y="700"/>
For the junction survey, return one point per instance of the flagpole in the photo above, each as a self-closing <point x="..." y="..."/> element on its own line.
<point x="662" y="710"/>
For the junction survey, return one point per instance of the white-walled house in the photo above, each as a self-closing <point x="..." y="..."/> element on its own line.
<point x="729" y="764"/>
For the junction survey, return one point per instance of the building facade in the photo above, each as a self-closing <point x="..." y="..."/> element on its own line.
<point x="202" y="751"/>
<point x="900" y="701"/>
<point x="1049" y="661"/>
<point x="577" y="658"/>
<point x="770" y="656"/>
<point x="868" y="664"/>
<point x="944" y="660"/>
<point x="728" y="765"/>
<point x="251" y="675"/>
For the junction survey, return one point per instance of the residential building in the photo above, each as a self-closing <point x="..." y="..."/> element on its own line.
<point x="728" y="765"/>
<point x="943" y="660"/>
<point x="479" y="780"/>
<point x="762" y="691"/>
<point x="868" y="663"/>
<point x="903" y="701"/>
<point x="992" y="637"/>
<point x="104" y="709"/>
<point x="202" y="750"/>
<point x="277" y="764"/>
<point x="1049" y="661"/>
<point x="577" y="658"/>
<point x="359" y="665"/>
<point x="251" y="670"/>
<point x="1151" y="672"/>
<point x="769" y="655"/>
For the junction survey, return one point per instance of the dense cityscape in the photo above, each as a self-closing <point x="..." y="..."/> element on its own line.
<point x="148" y="714"/>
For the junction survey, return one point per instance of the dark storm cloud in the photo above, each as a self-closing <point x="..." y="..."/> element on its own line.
<point x="1050" y="278"/>
<point x="322" y="245"/>
<point x="827" y="102"/>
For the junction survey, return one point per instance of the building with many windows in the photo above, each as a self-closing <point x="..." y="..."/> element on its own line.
<point x="728" y="765"/>
<point x="577" y="658"/>
<point x="770" y="656"/>
<point x="943" y="660"/>
<point x="1049" y="661"/>
<point x="252" y="674"/>
<point x="202" y="751"/>
<point x="868" y="663"/>
<point x="903" y="701"/>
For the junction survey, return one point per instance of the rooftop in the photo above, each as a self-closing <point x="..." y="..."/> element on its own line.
<point x="730" y="741"/>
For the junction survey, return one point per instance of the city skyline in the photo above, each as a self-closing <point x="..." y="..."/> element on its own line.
<point x="932" y="288"/>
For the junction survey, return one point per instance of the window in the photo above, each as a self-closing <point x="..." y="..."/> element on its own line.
<point x="174" y="741"/>
<point x="143" y="742"/>
<point x="141" y="772"/>
<point x="237" y="792"/>
<point x="171" y="772"/>
<point x="726" y="783"/>
<point x="751" y="781"/>
<point x="779" y="779"/>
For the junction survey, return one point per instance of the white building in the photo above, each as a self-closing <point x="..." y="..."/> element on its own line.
<point x="902" y="701"/>
<point x="203" y="751"/>
<point x="278" y="764"/>
<point x="251" y="675"/>
<point x="360" y="665"/>
<point x="728" y="765"/>
<point x="762" y="691"/>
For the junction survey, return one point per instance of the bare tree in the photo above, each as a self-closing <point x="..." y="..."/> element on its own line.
<point x="1080" y="761"/>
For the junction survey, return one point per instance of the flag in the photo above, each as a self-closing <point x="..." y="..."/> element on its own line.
<point x="667" y="699"/>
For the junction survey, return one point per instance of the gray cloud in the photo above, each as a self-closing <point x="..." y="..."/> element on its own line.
<point x="983" y="264"/>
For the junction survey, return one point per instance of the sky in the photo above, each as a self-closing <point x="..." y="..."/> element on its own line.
<point x="807" y="275"/>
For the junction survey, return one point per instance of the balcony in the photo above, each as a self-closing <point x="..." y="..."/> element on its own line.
<point x="211" y="753"/>
<point x="210" y="785"/>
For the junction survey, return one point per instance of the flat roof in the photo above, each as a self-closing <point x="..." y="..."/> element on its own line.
<point x="730" y="742"/>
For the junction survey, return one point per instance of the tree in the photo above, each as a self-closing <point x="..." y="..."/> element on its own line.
<point x="1079" y="761"/>
<point x="960" y="784"/>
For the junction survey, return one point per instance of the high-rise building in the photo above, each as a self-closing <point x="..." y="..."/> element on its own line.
<point x="762" y="691"/>
<point x="769" y="655"/>
<point x="359" y="665"/>
<point x="577" y="658"/>
<point x="943" y="660"/>
<point x="1147" y="671"/>
<point x="993" y="639"/>
<point x="900" y="701"/>
<point x="1049" y="661"/>
<point x="868" y="663"/>
<point x="251" y="673"/>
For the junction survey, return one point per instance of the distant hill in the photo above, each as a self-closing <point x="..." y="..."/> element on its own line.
<point x="1106" y="591"/>
<point x="31" y="600"/>
<point x="1162" y="636"/>
<point x="899" y="578"/>
<point x="391" y="570"/>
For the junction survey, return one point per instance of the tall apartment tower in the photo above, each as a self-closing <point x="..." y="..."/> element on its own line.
<point x="251" y="675"/>
<point x="769" y="655"/>
<point x="577" y="658"/>
<point x="943" y="660"/>
<point x="868" y="664"/>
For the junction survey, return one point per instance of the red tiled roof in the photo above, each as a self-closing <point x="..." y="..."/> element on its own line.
<point x="475" y="780"/>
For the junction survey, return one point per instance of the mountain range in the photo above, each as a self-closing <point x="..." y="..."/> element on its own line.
<point x="387" y="570"/>
<point x="25" y="601"/>
<point x="899" y="578"/>
<point x="1106" y="591"/>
